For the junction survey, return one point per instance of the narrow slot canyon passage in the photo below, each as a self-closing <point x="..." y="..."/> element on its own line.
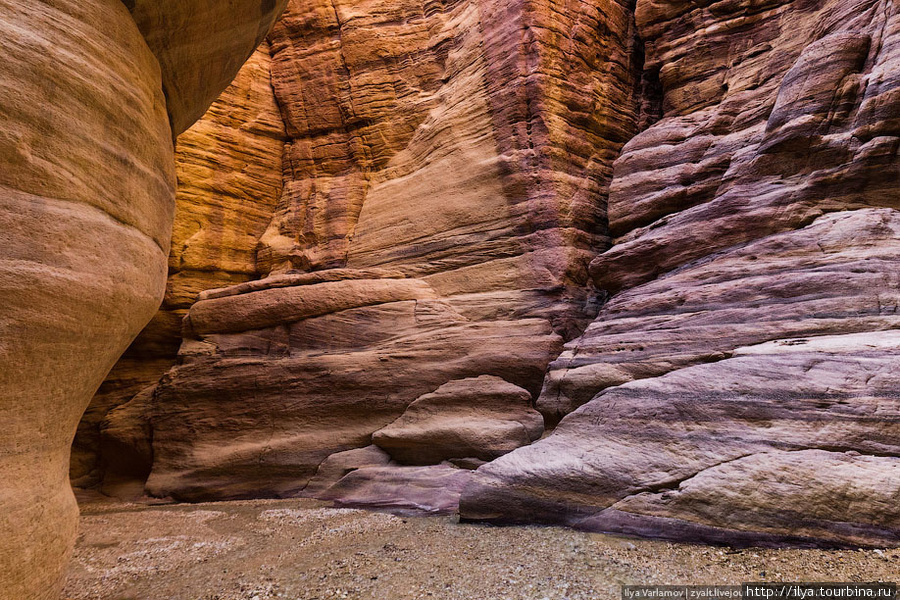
<point x="447" y="298"/>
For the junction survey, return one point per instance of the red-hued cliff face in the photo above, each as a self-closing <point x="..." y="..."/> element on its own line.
<point x="228" y="169"/>
<point x="444" y="184"/>
<point x="444" y="179"/>
<point x="699" y="198"/>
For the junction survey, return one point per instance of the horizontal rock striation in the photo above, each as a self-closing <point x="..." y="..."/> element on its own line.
<point x="738" y="385"/>
<point x="228" y="169"/>
<point x="790" y="441"/>
<point x="445" y="173"/>
<point x="688" y="210"/>
<point x="86" y="208"/>
<point x="256" y="412"/>
<point x="835" y="276"/>
<point x="455" y="142"/>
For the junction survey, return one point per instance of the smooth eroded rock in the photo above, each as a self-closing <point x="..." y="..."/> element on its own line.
<point x="484" y="418"/>
<point x="86" y="209"/>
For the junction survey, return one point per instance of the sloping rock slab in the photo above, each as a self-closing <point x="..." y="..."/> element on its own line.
<point x="764" y="447"/>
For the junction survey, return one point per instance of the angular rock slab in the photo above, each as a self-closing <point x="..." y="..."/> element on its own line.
<point x="793" y="441"/>
<point x="838" y="275"/>
<point x="482" y="417"/>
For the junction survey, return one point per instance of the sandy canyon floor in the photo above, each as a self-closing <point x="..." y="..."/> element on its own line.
<point x="303" y="550"/>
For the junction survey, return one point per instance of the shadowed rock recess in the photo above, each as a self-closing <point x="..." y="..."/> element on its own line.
<point x="624" y="267"/>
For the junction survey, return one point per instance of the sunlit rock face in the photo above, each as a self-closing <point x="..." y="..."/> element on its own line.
<point x="739" y="385"/>
<point x="86" y="206"/>
<point x="445" y="177"/>
<point x="228" y="169"/>
<point x="687" y="210"/>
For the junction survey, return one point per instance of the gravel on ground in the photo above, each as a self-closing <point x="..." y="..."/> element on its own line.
<point x="305" y="550"/>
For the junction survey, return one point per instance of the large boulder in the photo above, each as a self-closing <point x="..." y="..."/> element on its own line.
<point x="482" y="417"/>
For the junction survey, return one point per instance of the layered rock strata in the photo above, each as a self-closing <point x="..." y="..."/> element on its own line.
<point x="444" y="185"/>
<point x="446" y="174"/>
<point x="296" y="369"/>
<point x="86" y="207"/>
<point x="792" y="441"/>
<point x="737" y="386"/>
<point x="228" y="169"/>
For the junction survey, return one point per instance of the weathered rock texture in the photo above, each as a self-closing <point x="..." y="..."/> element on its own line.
<point x="86" y="207"/>
<point x="272" y="386"/>
<point x="467" y="184"/>
<point x="760" y="210"/>
<point x="444" y="184"/>
<point x="482" y="418"/>
<point x="228" y="169"/>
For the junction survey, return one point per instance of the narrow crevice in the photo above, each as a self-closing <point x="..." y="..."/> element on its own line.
<point x="648" y="89"/>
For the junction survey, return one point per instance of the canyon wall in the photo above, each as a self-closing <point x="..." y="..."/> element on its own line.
<point x="93" y="94"/>
<point x="740" y="385"/>
<point x="621" y="266"/>
<point x="228" y="172"/>
<point x="445" y="176"/>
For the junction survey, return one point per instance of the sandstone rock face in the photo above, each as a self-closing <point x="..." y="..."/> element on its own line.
<point x="444" y="183"/>
<point x="759" y="211"/>
<point x="481" y="418"/>
<point x="86" y="207"/>
<point x="270" y="387"/>
<point x="456" y="142"/>
<point x="401" y="490"/>
<point x="724" y="452"/>
<point x="228" y="169"/>
<point x="183" y="34"/>
<point x="835" y="276"/>
<point x="699" y="198"/>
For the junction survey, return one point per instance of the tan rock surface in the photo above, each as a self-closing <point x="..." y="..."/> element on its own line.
<point x="456" y="142"/>
<point x="86" y="187"/>
<point x="256" y="413"/>
<point x="86" y="208"/>
<point x="228" y="168"/>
